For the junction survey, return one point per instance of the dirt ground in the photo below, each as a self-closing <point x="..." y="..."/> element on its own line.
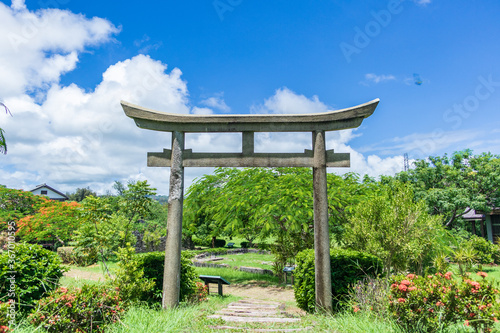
<point x="254" y="291"/>
<point x="77" y="274"/>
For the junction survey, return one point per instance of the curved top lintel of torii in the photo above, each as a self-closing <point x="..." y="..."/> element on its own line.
<point x="326" y="121"/>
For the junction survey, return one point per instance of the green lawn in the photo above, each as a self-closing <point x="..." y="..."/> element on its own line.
<point x="248" y="260"/>
<point x="239" y="277"/>
<point x="492" y="271"/>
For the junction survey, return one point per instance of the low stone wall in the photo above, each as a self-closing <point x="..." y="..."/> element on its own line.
<point x="256" y="270"/>
<point x="209" y="264"/>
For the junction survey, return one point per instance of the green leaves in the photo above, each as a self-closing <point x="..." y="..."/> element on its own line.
<point x="451" y="185"/>
<point x="395" y="228"/>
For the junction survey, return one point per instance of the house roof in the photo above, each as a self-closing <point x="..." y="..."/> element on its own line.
<point x="50" y="188"/>
<point x="473" y="215"/>
<point x="479" y="215"/>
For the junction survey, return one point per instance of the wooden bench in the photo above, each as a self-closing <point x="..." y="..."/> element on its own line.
<point x="230" y="245"/>
<point x="214" y="279"/>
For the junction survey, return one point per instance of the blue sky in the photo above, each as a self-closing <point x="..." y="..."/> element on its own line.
<point x="67" y="63"/>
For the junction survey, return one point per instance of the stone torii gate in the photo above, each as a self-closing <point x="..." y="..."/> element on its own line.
<point x="319" y="159"/>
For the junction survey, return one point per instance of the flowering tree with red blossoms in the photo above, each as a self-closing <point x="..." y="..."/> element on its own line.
<point x="54" y="222"/>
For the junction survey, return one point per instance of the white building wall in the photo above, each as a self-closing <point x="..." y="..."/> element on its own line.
<point x="51" y="194"/>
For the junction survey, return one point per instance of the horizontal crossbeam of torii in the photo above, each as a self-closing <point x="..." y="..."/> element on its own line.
<point x="178" y="157"/>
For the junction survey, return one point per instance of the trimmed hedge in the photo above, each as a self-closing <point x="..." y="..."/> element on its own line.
<point x="66" y="254"/>
<point x="153" y="264"/>
<point x="75" y="255"/>
<point x="347" y="268"/>
<point x="220" y="243"/>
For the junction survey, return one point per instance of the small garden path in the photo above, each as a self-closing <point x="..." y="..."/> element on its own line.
<point x="250" y="315"/>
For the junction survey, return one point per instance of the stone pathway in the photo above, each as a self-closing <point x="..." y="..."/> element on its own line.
<point x="248" y="311"/>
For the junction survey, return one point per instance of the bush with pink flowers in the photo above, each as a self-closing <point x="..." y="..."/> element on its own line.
<point x="4" y="318"/>
<point x="436" y="301"/>
<point x="200" y="294"/>
<point x="87" y="309"/>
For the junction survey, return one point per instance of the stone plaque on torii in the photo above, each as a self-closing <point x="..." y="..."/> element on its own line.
<point x="318" y="158"/>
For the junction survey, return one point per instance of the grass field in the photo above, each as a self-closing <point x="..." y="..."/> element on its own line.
<point x="239" y="277"/>
<point x="248" y="260"/>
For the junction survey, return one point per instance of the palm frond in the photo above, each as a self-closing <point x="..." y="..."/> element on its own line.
<point x="3" y="144"/>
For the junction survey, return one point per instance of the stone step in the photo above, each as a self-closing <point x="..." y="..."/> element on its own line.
<point x="255" y="319"/>
<point x="249" y="305"/>
<point x="256" y="301"/>
<point x="247" y="313"/>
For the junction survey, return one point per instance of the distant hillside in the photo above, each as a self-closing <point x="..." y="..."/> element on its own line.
<point x="163" y="199"/>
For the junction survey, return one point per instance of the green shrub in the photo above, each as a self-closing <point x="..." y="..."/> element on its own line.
<point x="5" y="316"/>
<point x="244" y="245"/>
<point x="37" y="271"/>
<point x="347" y="268"/>
<point x="219" y="243"/>
<point x="437" y="301"/>
<point x="85" y="256"/>
<point x="200" y="294"/>
<point x="211" y="251"/>
<point x="198" y="242"/>
<point x="66" y="254"/>
<point x="153" y="264"/>
<point x="486" y="251"/>
<point x="89" y="309"/>
<point x="130" y="280"/>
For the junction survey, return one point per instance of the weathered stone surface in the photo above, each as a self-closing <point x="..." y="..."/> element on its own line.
<point x="256" y="270"/>
<point x="256" y="319"/>
<point x="172" y="272"/>
<point x="323" y="277"/>
<point x="327" y="121"/>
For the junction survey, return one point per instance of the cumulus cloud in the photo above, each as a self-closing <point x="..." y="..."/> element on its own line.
<point x="217" y="102"/>
<point x="70" y="137"/>
<point x="286" y="101"/>
<point x="39" y="46"/>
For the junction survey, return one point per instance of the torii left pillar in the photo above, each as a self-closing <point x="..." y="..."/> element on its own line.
<point x="172" y="272"/>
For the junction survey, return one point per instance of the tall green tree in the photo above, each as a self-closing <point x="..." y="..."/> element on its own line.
<point x="80" y="194"/>
<point x="452" y="186"/>
<point x="119" y="188"/>
<point x="395" y="228"/>
<point x="200" y="207"/>
<point x="263" y="203"/>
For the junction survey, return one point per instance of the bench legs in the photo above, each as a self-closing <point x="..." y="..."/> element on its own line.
<point x="219" y="288"/>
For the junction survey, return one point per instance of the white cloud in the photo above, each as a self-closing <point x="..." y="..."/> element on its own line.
<point x="422" y="145"/>
<point x="217" y="102"/>
<point x="39" y="46"/>
<point x="71" y="137"/>
<point x="286" y="101"/>
<point x="201" y="111"/>
<point x="374" y="78"/>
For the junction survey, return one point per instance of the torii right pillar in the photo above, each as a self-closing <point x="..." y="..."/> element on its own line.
<point x="323" y="277"/>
